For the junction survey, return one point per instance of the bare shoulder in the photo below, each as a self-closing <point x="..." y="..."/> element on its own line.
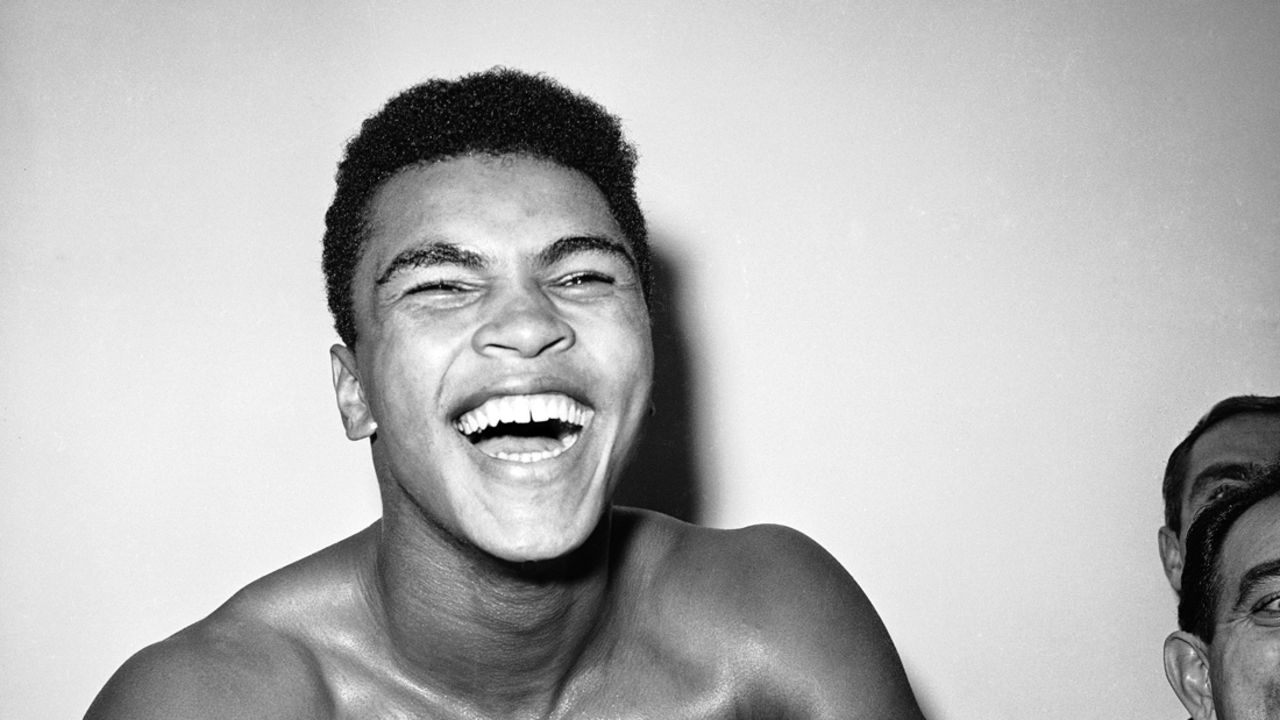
<point x="807" y="639"/>
<point x="251" y="658"/>
<point x="218" y="668"/>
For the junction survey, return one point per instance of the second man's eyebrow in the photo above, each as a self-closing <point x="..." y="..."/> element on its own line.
<point x="424" y="256"/>
<point x="566" y="246"/>
<point x="1256" y="575"/>
<point x="1219" y="471"/>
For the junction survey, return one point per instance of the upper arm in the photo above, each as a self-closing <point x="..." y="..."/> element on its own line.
<point x="824" y="652"/>
<point x="190" y="679"/>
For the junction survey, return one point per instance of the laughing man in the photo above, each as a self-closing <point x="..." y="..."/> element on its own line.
<point x="489" y="277"/>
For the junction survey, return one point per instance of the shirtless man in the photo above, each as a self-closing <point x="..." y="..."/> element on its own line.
<point x="488" y="274"/>
<point x="1236" y="437"/>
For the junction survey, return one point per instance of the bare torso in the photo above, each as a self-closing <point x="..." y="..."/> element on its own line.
<point x="698" y="623"/>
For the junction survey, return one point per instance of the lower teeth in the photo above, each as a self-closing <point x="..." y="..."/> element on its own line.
<point x="530" y="457"/>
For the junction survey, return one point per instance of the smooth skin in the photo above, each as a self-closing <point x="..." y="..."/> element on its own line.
<point x="497" y="588"/>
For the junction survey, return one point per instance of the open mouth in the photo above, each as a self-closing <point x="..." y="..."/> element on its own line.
<point x="525" y="428"/>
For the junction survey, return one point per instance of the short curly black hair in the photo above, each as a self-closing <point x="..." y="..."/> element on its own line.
<point x="500" y="111"/>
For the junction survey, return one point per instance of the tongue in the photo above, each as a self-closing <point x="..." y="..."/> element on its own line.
<point x="512" y="444"/>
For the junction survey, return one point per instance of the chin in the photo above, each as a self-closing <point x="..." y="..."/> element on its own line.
<point x="535" y="540"/>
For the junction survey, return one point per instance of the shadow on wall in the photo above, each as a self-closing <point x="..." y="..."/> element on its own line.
<point x="663" y="473"/>
<point x="925" y="696"/>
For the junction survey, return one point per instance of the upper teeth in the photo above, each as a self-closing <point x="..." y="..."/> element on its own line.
<point x="523" y="409"/>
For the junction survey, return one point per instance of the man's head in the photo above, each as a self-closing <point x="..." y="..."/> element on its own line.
<point x="494" y="113"/>
<point x="1235" y="438"/>
<point x="488" y="271"/>
<point x="1224" y="662"/>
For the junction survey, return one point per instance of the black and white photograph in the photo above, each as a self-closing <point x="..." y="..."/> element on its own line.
<point x="612" y="360"/>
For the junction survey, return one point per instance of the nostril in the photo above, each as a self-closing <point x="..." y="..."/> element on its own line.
<point x="528" y="331"/>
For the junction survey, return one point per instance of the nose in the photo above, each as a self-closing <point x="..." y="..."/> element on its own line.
<point x="523" y="323"/>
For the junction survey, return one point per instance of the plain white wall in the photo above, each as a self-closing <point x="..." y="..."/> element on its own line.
<point x="954" y="277"/>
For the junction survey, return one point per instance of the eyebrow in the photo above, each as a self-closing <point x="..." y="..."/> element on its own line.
<point x="1230" y="470"/>
<point x="1256" y="575"/>
<point x="566" y="246"/>
<point x="446" y="253"/>
<point x="431" y="255"/>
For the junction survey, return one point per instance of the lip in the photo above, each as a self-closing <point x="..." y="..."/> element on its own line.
<point x="519" y="385"/>
<point x="524" y="471"/>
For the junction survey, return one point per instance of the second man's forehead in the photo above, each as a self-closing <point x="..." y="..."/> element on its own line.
<point x="1248" y="437"/>
<point x="1233" y="447"/>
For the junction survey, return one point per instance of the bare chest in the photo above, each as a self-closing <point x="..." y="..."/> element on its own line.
<point x="629" y="686"/>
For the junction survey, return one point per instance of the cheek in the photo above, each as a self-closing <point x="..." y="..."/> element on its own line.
<point x="632" y="358"/>
<point x="616" y="339"/>
<point x="407" y="378"/>
<point x="1268" y="679"/>
<point x="1248" y="676"/>
<point x="635" y="339"/>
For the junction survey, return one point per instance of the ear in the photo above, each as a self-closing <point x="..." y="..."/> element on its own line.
<point x="1186" y="665"/>
<point x="354" y="409"/>
<point x="1171" y="557"/>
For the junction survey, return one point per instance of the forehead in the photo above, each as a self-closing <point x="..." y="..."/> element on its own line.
<point x="475" y="199"/>
<point x="1249" y="438"/>
<point x="1253" y="539"/>
<point x="1246" y="439"/>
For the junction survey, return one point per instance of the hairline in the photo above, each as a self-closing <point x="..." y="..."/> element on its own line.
<point x="498" y="112"/>
<point x="1175" y="474"/>
<point x="365" y="227"/>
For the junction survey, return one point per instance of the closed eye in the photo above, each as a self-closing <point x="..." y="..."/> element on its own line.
<point x="584" y="285"/>
<point x="584" y="278"/>
<point x="441" y="286"/>
<point x="441" y="294"/>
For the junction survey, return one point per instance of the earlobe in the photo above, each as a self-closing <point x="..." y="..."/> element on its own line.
<point x="1171" y="556"/>
<point x="1186" y="665"/>
<point x="353" y="407"/>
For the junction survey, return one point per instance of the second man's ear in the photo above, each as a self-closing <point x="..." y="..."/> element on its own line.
<point x="1171" y="556"/>
<point x="352" y="406"/>
<point x="1186" y="665"/>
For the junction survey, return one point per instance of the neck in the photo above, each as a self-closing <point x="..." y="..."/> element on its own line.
<point x="506" y="636"/>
